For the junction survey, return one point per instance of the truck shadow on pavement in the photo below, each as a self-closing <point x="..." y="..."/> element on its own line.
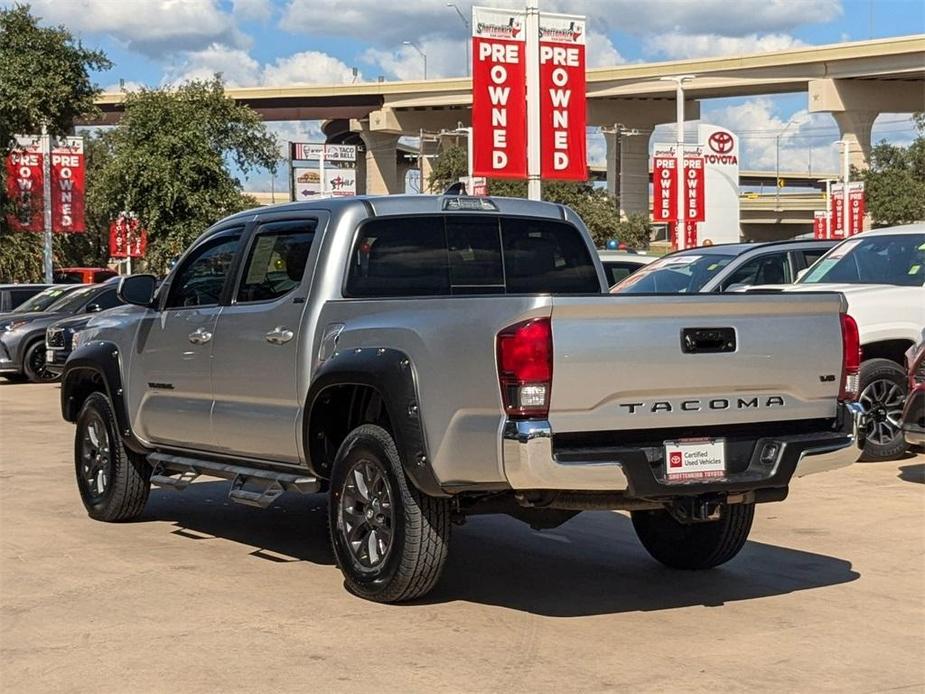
<point x="592" y="565"/>
<point x="912" y="473"/>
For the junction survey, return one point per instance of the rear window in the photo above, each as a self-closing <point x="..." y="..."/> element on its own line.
<point x="460" y="255"/>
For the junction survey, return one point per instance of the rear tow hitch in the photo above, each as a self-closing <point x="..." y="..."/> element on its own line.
<point x="696" y="510"/>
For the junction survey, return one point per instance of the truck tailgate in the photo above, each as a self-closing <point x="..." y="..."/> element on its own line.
<point x="641" y="362"/>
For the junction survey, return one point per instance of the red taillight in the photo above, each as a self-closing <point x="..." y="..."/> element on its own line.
<point x="525" y="368"/>
<point x="851" y="358"/>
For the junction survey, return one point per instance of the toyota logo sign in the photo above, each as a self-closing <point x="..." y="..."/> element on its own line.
<point x="721" y="142"/>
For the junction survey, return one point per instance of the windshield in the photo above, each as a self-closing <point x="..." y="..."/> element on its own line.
<point x="72" y="301"/>
<point x="896" y="259"/>
<point x="680" y="273"/>
<point x="42" y="300"/>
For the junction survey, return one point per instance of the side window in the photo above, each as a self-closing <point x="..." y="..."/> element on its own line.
<point x="546" y="257"/>
<point x="276" y="262"/>
<point x="200" y="279"/>
<point x="617" y="271"/>
<point x="400" y="257"/>
<point x="106" y="300"/>
<point x="810" y="257"/>
<point x="768" y="269"/>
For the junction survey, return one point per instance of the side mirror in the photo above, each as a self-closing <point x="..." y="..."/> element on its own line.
<point x="801" y="273"/>
<point x="137" y="289"/>
<point x="93" y="308"/>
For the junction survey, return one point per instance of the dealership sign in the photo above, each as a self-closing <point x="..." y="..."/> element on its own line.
<point x="25" y="184"/>
<point x="499" y="89"/>
<point x="67" y="185"/>
<point x="855" y="204"/>
<point x="499" y="95"/>
<point x="820" y="222"/>
<point x="127" y="239"/>
<point x="665" y="183"/>
<point x="837" y="210"/>
<point x="721" y="222"/>
<point x="563" y="107"/>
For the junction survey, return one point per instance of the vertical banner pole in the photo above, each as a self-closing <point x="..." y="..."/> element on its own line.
<point x="681" y="235"/>
<point x="828" y="208"/>
<point x="846" y="174"/>
<point x="470" y="185"/>
<point x="46" y="192"/>
<point x="321" y="169"/>
<point x="534" y="187"/>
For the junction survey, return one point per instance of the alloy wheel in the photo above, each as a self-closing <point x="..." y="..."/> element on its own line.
<point x="883" y="403"/>
<point x="95" y="457"/>
<point x="367" y="515"/>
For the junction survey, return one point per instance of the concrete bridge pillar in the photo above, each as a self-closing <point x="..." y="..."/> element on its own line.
<point x="628" y="170"/>
<point x="380" y="163"/>
<point x="855" y="128"/>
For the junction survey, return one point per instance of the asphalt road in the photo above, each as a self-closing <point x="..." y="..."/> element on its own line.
<point x="203" y="595"/>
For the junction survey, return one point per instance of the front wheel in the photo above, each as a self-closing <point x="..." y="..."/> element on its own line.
<point x="694" y="545"/>
<point x="113" y="482"/>
<point x="883" y="393"/>
<point x="34" y="366"/>
<point x="389" y="539"/>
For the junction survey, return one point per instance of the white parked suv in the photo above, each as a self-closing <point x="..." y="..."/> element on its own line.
<point x="882" y="275"/>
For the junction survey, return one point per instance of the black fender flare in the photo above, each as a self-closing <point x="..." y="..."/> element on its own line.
<point x="390" y="373"/>
<point x="102" y="359"/>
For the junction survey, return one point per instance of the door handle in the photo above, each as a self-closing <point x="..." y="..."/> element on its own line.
<point x="279" y="335"/>
<point x="200" y="336"/>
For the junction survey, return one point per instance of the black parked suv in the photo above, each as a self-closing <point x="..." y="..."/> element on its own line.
<point x="22" y="335"/>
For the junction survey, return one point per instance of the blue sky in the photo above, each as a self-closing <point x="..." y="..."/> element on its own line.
<point x="155" y="42"/>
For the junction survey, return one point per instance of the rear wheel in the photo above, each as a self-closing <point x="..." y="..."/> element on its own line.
<point x="883" y="393"/>
<point x="113" y="482"/>
<point x="694" y="545"/>
<point x="33" y="364"/>
<point x="389" y="539"/>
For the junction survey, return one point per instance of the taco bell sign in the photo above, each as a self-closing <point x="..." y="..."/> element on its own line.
<point x="721" y="186"/>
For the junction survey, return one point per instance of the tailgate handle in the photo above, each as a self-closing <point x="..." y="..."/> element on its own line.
<point x="708" y="340"/>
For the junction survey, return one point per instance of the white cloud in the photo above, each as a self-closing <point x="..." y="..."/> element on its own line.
<point x="387" y="23"/>
<point x="601" y="52"/>
<point x="445" y="58"/>
<point x="151" y="27"/>
<point x="308" y="67"/>
<point x="253" y="10"/>
<point x="239" y="69"/>
<point x="680" y="45"/>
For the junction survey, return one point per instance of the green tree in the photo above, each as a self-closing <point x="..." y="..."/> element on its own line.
<point x="594" y="205"/>
<point x="895" y="182"/>
<point x="44" y="78"/>
<point x="169" y="163"/>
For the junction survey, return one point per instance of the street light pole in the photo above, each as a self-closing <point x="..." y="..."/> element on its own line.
<point x="468" y="32"/>
<point x="777" y="165"/>
<point x="418" y="49"/>
<point x="845" y="175"/>
<point x="681" y="228"/>
<point x="534" y="152"/>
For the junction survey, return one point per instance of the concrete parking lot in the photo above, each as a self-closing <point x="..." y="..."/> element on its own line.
<point x="204" y="595"/>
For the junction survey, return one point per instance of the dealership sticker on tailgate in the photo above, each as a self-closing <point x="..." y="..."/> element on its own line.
<point x="694" y="459"/>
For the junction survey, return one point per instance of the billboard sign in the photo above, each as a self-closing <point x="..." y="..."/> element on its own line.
<point x="311" y="151"/>
<point x="563" y="106"/>
<point x="337" y="183"/>
<point x="25" y="184"/>
<point x="499" y="93"/>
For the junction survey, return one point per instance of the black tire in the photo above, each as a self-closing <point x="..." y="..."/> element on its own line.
<point x="33" y="364"/>
<point x="416" y="526"/>
<point x="122" y="491"/>
<point x="695" y="545"/>
<point x="883" y="388"/>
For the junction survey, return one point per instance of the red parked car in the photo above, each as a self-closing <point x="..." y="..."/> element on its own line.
<point x="83" y="275"/>
<point x="914" y="411"/>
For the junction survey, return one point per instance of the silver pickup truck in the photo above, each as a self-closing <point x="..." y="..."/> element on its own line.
<point x="424" y="358"/>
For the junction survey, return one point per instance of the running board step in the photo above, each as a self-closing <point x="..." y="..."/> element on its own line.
<point x="255" y="487"/>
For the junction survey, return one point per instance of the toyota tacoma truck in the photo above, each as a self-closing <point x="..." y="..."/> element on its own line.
<point x="424" y="358"/>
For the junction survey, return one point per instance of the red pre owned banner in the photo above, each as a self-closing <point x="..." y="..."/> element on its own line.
<point x="499" y="88"/>
<point x="126" y="238"/>
<point x="67" y="186"/>
<point x="664" y="184"/>
<point x="690" y="234"/>
<point x="836" y="209"/>
<point x="819" y="219"/>
<point x="855" y="208"/>
<point x="24" y="185"/>
<point x="694" y="191"/>
<point x="563" y="107"/>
